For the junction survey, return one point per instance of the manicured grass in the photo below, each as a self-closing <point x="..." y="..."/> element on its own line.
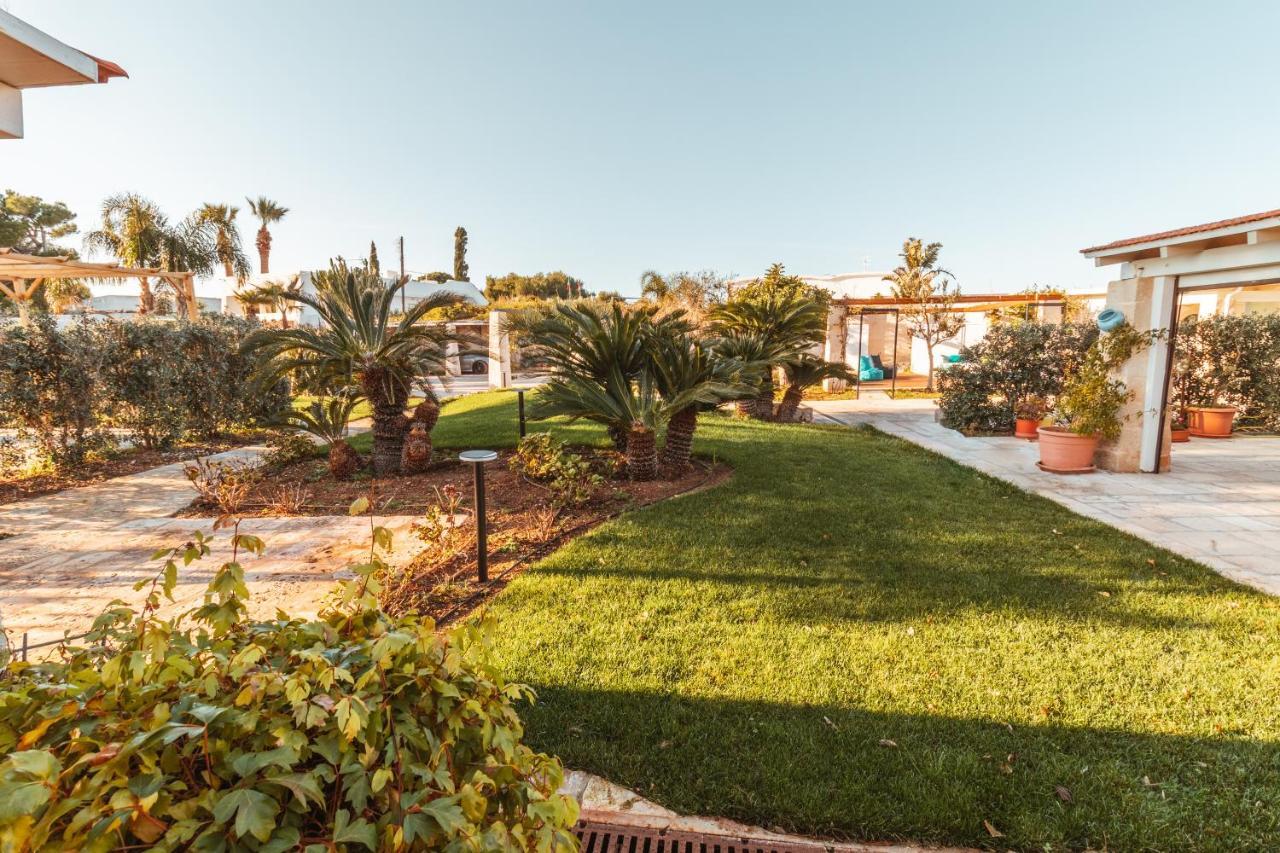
<point x="858" y="638"/>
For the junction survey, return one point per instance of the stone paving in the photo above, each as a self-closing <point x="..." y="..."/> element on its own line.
<point x="71" y="553"/>
<point x="1219" y="505"/>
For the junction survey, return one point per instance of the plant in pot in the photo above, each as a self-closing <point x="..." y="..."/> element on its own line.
<point x="1212" y="421"/>
<point x="1028" y="413"/>
<point x="1088" y="411"/>
<point x="1179" y="427"/>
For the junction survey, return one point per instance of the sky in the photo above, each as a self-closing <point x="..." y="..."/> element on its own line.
<point x="607" y="139"/>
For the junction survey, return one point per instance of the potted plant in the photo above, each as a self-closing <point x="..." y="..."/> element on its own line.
<point x="1028" y="414"/>
<point x="1215" y="421"/>
<point x="1179" y="429"/>
<point x="1089" y="407"/>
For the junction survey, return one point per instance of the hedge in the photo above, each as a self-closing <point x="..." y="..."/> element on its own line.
<point x="158" y="380"/>
<point x="1231" y="359"/>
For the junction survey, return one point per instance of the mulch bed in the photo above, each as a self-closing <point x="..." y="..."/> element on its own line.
<point x="523" y="526"/>
<point x="132" y="461"/>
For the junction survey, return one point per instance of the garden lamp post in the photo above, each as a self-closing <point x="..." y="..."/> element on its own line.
<point x="520" y="399"/>
<point x="477" y="458"/>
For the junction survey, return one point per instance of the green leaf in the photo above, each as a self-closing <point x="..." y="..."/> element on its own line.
<point x="359" y="506"/>
<point x="302" y="785"/>
<point x="254" y="812"/>
<point x="36" y="762"/>
<point x="21" y="798"/>
<point x="357" y="832"/>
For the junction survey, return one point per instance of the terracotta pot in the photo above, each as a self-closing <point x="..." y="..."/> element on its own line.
<point x="1065" y="452"/>
<point x="1211" y="421"/>
<point x="1026" y="428"/>
<point x="1180" y="435"/>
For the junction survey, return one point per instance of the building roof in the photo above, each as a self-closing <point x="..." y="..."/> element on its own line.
<point x="1185" y="232"/>
<point x="30" y="58"/>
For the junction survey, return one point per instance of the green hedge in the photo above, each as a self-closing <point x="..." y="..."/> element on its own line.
<point x="1014" y="361"/>
<point x="1232" y="359"/>
<point x="159" y="380"/>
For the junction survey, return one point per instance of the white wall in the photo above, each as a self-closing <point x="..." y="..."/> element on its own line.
<point x="10" y="112"/>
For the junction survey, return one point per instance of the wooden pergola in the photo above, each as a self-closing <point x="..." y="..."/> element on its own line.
<point x="22" y="275"/>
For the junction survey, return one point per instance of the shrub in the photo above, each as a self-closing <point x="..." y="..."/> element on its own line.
<point x="49" y="388"/>
<point x="1231" y="360"/>
<point x="571" y="478"/>
<point x="1091" y="399"/>
<point x="1013" y="362"/>
<point x="213" y="732"/>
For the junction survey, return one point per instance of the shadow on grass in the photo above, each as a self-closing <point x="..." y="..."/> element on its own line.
<point x="850" y="773"/>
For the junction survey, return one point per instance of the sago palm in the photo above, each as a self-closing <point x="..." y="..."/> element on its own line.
<point x="771" y="330"/>
<point x="804" y="373"/>
<point x="634" y="407"/>
<point x="688" y="375"/>
<point x="327" y="420"/>
<point x="360" y="344"/>
<point x="268" y="213"/>
<point x="752" y="356"/>
<point x="221" y="218"/>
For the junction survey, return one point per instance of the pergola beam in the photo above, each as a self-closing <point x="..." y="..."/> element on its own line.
<point x="35" y="269"/>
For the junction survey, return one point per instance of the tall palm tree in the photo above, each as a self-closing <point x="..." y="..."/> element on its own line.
<point x="358" y="344"/>
<point x="133" y="229"/>
<point x="222" y="219"/>
<point x="803" y="373"/>
<point x="268" y="213"/>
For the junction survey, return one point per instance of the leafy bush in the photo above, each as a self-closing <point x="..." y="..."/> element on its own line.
<point x="571" y="478"/>
<point x="159" y="380"/>
<point x="1013" y="362"/>
<point x="1231" y="360"/>
<point x="212" y="732"/>
<point x="49" y="388"/>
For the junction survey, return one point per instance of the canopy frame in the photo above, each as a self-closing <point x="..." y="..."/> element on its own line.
<point x="22" y="275"/>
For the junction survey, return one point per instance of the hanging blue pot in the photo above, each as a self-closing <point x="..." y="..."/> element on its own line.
<point x="1110" y="319"/>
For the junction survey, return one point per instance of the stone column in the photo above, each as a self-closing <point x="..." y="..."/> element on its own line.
<point x="1146" y="303"/>
<point x="499" y="351"/>
<point x="452" y="360"/>
<point x="834" y="349"/>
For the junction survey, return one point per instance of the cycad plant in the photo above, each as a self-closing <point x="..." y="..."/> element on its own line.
<point x="688" y="375"/>
<point x="803" y="373"/>
<point x="634" y="408"/>
<point x="769" y="331"/>
<point x="327" y="420"/>
<point x="359" y="344"/>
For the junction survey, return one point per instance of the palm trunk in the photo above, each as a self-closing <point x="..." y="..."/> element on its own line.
<point x="642" y="453"/>
<point x="679" y="444"/>
<point x="790" y="403"/>
<point x="264" y="249"/>
<point x="226" y="267"/>
<point x="343" y="460"/>
<point x="388" y="438"/>
<point x="618" y="435"/>
<point x="744" y="408"/>
<point x="146" y="299"/>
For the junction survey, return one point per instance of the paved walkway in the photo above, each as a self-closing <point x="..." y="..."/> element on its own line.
<point x="1219" y="505"/>
<point x="71" y="553"/>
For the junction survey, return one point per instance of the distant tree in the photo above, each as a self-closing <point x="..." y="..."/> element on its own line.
<point x="549" y="285"/>
<point x="63" y="294"/>
<point x="460" y="270"/>
<point x="776" y="283"/>
<point x="268" y="213"/>
<point x="29" y="224"/>
<point x="374" y="265"/>
<point x="930" y="312"/>
<point x="692" y="292"/>
<point x="221" y="218"/>
<point x="440" y="277"/>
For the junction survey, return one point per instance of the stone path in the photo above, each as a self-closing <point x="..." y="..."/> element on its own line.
<point x="71" y="553"/>
<point x="1219" y="505"/>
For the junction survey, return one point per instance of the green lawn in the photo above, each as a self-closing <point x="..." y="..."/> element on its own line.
<point x="856" y="637"/>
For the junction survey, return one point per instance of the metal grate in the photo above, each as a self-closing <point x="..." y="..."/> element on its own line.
<point x="601" y="837"/>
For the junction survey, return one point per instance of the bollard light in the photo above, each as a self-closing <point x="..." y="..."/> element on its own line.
<point x="520" y="398"/>
<point x="477" y="458"/>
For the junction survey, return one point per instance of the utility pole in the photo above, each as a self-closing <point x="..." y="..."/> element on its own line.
<point x="403" y="310"/>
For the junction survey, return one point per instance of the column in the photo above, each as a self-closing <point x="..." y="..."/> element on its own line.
<point x="834" y="349"/>
<point x="499" y="351"/>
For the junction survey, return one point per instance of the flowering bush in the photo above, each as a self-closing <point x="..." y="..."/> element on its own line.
<point x="210" y="731"/>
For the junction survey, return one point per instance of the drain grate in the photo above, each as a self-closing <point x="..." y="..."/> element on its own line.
<point x="601" y="837"/>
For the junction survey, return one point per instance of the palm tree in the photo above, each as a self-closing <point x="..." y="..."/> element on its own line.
<point x="688" y="375"/>
<point x="274" y="295"/>
<point x="635" y="409"/>
<point x="359" y="344"/>
<point x="222" y="219"/>
<point x="268" y="212"/>
<point x="770" y="331"/>
<point x="327" y="420"/>
<point x="654" y="286"/>
<point x="803" y="373"/>
<point x="133" y="229"/>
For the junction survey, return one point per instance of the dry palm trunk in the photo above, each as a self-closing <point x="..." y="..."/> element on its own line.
<point x="427" y="413"/>
<point x="146" y="299"/>
<point x="790" y="404"/>
<point x="642" y="453"/>
<point x="343" y="460"/>
<point x="415" y="457"/>
<point x="679" y="443"/>
<point x="264" y="249"/>
<point x="388" y="438"/>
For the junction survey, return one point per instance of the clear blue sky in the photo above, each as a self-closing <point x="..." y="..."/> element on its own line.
<point x="605" y="139"/>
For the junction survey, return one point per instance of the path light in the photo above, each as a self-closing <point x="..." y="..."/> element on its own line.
<point x="520" y="397"/>
<point x="477" y="458"/>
